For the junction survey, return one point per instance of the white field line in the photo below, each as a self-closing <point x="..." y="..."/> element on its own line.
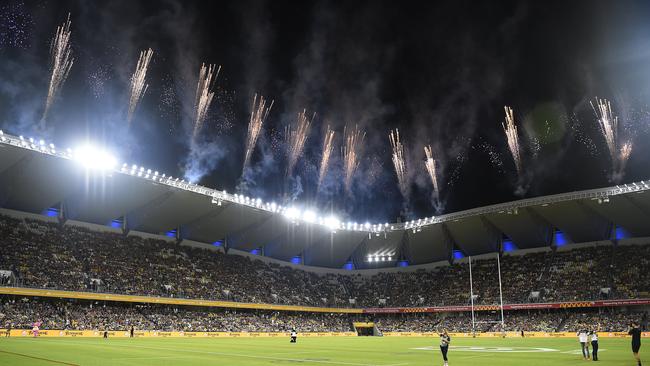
<point x="304" y="360"/>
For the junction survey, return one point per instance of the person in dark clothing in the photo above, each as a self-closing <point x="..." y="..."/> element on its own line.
<point x="105" y="334"/>
<point x="594" y="345"/>
<point x="635" y="332"/>
<point x="445" y="339"/>
<point x="8" y="331"/>
<point x="131" y="334"/>
<point x="294" y="335"/>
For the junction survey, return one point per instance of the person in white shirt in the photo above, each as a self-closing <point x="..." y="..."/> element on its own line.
<point x="583" y="337"/>
<point x="294" y="336"/>
<point x="594" y="345"/>
<point x="445" y="339"/>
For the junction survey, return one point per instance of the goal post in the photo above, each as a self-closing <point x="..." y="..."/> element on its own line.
<point x="471" y="296"/>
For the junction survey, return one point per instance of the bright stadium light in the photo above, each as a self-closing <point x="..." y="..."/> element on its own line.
<point x="94" y="158"/>
<point x="332" y="222"/>
<point x="292" y="213"/>
<point x="309" y="216"/>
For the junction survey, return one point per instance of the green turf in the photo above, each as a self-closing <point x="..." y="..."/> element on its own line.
<point x="354" y="351"/>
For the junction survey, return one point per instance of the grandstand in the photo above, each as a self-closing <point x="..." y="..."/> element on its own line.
<point x="87" y="251"/>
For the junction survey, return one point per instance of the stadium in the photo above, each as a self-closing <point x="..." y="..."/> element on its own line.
<point x="106" y="262"/>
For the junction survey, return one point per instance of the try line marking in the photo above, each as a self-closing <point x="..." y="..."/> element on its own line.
<point x="306" y="360"/>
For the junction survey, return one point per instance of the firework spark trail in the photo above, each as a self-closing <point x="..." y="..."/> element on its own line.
<point x="204" y="96"/>
<point x="138" y="86"/>
<point x="296" y="136"/>
<point x="510" y="129"/>
<point x="62" y="60"/>
<point x="351" y="154"/>
<point x="259" y="112"/>
<point x="626" y="151"/>
<point x="430" y="164"/>
<point x="608" y="124"/>
<point x="328" y="146"/>
<point x="398" y="160"/>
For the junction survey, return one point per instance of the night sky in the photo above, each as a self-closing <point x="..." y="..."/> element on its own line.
<point x="441" y="72"/>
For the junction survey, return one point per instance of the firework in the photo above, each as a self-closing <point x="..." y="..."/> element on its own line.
<point x="62" y="60"/>
<point x="430" y="164"/>
<point x="138" y="86"/>
<point x="351" y="154"/>
<point x="398" y="160"/>
<point x="259" y="112"/>
<point x="626" y="151"/>
<point x="328" y="146"/>
<point x="510" y="129"/>
<point x="608" y="124"/>
<point x="296" y="136"/>
<point x="204" y="96"/>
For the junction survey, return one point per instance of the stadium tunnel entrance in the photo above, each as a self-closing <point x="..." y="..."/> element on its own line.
<point x="366" y="329"/>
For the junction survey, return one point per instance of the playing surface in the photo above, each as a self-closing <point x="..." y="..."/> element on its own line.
<point x="356" y="351"/>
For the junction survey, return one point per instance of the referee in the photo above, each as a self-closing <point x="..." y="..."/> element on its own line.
<point x="445" y="339"/>
<point x="635" y="332"/>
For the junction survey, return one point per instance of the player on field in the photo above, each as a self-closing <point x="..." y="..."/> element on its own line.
<point x="8" y="330"/>
<point x="131" y="332"/>
<point x="445" y="339"/>
<point x="294" y="335"/>
<point x="635" y="332"/>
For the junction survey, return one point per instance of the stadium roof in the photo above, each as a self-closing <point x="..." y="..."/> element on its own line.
<point x="35" y="177"/>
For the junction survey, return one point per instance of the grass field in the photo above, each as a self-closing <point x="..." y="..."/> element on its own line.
<point x="354" y="351"/>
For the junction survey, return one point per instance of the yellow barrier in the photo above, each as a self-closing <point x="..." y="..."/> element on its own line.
<point x="167" y="300"/>
<point x="363" y="325"/>
<point x="159" y="334"/>
<point x="509" y="334"/>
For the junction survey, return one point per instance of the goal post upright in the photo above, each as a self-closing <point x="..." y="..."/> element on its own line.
<point x="500" y="291"/>
<point x="471" y="294"/>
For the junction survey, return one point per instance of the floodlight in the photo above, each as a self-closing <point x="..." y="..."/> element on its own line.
<point x="94" y="158"/>
<point x="292" y="213"/>
<point x="332" y="222"/>
<point x="309" y="216"/>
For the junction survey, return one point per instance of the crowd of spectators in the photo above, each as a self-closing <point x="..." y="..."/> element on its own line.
<point x="94" y="315"/>
<point x="50" y="255"/>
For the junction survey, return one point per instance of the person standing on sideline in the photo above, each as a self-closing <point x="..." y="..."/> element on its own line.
<point x="131" y="333"/>
<point x="445" y="339"/>
<point x="594" y="345"/>
<point x="635" y="332"/>
<point x="583" y="337"/>
<point x="294" y="335"/>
